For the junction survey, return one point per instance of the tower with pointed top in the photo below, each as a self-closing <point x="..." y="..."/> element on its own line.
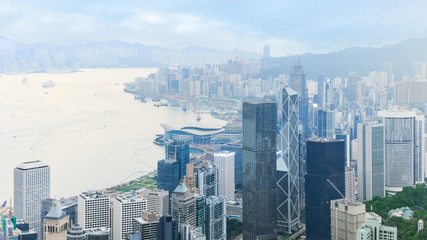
<point x="288" y="177"/>
<point x="55" y="223"/>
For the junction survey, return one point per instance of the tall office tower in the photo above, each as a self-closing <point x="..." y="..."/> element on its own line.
<point x="184" y="206"/>
<point x="93" y="210"/>
<point x="147" y="225"/>
<point x="236" y="147"/>
<point x="126" y="207"/>
<point x="55" y="224"/>
<point x="181" y="152"/>
<point x="372" y="229"/>
<point x="346" y="217"/>
<point x="321" y="89"/>
<point x="190" y="180"/>
<point x="404" y="165"/>
<point x="350" y="183"/>
<point x="31" y="186"/>
<point x="370" y="161"/>
<point x="76" y="233"/>
<point x="325" y="123"/>
<point x="352" y="90"/>
<point x="157" y="201"/>
<point x="259" y="170"/>
<point x="266" y="52"/>
<point x="224" y="161"/>
<point x="165" y="229"/>
<point x="188" y="232"/>
<point x="324" y="178"/>
<point x="298" y="83"/>
<point x="288" y="188"/>
<point x="345" y="135"/>
<point x="46" y="206"/>
<point x="216" y="218"/>
<point x="168" y="174"/>
<point x="208" y="181"/>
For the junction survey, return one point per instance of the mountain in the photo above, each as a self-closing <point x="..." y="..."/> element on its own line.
<point x="361" y="60"/>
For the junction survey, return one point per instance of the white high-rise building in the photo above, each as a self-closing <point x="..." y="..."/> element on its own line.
<point x="224" y="161"/>
<point x="157" y="201"/>
<point x="370" y="160"/>
<point x="350" y="183"/>
<point x="31" y="186"/>
<point x="93" y="209"/>
<point x="404" y="148"/>
<point x="126" y="208"/>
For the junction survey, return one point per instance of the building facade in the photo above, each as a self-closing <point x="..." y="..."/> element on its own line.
<point x="224" y="161"/>
<point x="93" y="210"/>
<point x="207" y="183"/>
<point x="324" y="181"/>
<point x="346" y="217"/>
<point x="31" y="186"/>
<point x="126" y="208"/>
<point x="216" y="218"/>
<point x="288" y="164"/>
<point x="168" y="174"/>
<point x="373" y="229"/>
<point x="55" y="224"/>
<point x="157" y="201"/>
<point x="370" y="161"/>
<point x="259" y="170"/>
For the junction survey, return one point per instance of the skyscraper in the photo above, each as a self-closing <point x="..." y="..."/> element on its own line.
<point x="31" y="186"/>
<point x="157" y="201"/>
<point x="126" y="208"/>
<point x="325" y="123"/>
<point x="259" y="170"/>
<point x="181" y="152"/>
<point x="298" y="83"/>
<point x="350" y="183"/>
<point x="168" y="174"/>
<point x="404" y="164"/>
<point x="93" y="210"/>
<point x="208" y="181"/>
<point x="216" y="218"/>
<point x="236" y="147"/>
<point x="288" y="188"/>
<point x="346" y="217"/>
<point x="325" y="172"/>
<point x="370" y="160"/>
<point x="224" y="161"/>
<point x="56" y="223"/>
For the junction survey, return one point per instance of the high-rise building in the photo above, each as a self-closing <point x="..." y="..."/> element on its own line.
<point x="325" y="123"/>
<point x="321" y="90"/>
<point x="324" y="182"/>
<point x="157" y="201"/>
<point x="224" y="161"/>
<point x="181" y="152"/>
<point x="216" y="218"/>
<point x="350" y="183"/>
<point x="147" y="225"/>
<point x="93" y="210"/>
<point x="31" y="186"/>
<point x="288" y="176"/>
<point x="190" y="179"/>
<point x="165" y="229"/>
<point x="372" y="229"/>
<point x="236" y="147"/>
<point x="298" y="83"/>
<point x="126" y="207"/>
<point x="404" y="145"/>
<point x="184" y="206"/>
<point x="46" y="206"/>
<point x="76" y="233"/>
<point x="208" y="181"/>
<point x="168" y="174"/>
<point x="55" y="223"/>
<point x="370" y="160"/>
<point x="346" y="217"/>
<point x="259" y="170"/>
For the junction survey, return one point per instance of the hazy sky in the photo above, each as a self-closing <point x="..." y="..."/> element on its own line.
<point x="289" y="27"/>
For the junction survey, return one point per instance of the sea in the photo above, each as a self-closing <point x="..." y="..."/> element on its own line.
<point x="90" y="132"/>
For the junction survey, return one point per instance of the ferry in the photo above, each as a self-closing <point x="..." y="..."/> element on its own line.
<point x="156" y="99"/>
<point x="48" y="84"/>
<point x="198" y="118"/>
<point x="163" y="104"/>
<point x="184" y="108"/>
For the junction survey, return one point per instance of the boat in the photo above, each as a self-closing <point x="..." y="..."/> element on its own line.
<point x="156" y="99"/>
<point x="198" y="118"/>
<point x="163" y="104"/>
<point x="50" y="83"/>
<point x="157" y="104"/>
<point x="184" y="108"/>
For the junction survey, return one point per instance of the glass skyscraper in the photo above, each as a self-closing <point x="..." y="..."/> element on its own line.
<point x="259" y="170"/>
<point x="288" y="176"/>
<point x="181" y="152"/>
<point x="325" y="161"/>
<point x="168" y="174"/>
<point x="298" y="83"/>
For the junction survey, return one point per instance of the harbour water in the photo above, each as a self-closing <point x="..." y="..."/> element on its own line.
<point x="91" y="133"/>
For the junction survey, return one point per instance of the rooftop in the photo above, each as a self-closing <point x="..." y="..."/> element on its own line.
<point x="199" y="129"/>
<point x="31" y="165"/>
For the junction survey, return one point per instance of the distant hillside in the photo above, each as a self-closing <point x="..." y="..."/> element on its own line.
<point x="15" y="56"/>
<point x="357" y="59"/>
